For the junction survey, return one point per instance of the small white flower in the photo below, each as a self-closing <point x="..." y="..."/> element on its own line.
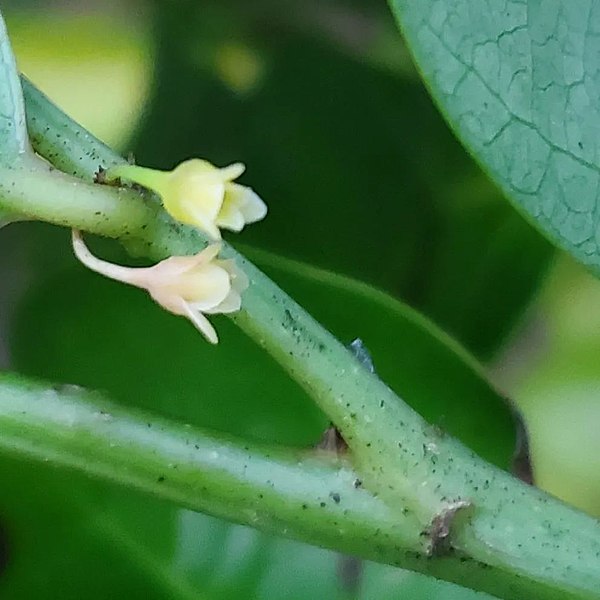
<point x="198" y="193"/>
<point x="190" y="286"/>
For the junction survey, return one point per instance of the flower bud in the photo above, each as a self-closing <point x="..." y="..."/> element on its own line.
<point x="200" y="194"/>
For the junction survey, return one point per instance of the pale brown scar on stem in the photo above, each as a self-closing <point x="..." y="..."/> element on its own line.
<point x="439" y="529"/>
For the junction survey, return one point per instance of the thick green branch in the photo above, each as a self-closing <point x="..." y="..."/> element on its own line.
<point x="515" y="528"/>
<point x="307" y="495"/>
<point x="67" y="145"/>
<point x="289" y="493"/>
<point x="30" y="187"/>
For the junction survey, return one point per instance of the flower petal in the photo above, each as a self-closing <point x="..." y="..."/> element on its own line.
<point x="232" y="303"/>
<point x="232" y="171"/>
<point x="230" y="216"/>
<point x="205" y="287"/>
<point x="177" y="265"/>
<point x="239" y="279"/>
<point x="195" y="216"/>
<point x="202" y="324"/>
<point x="254" y="208"/>
<point x="241" y="206"/>
<point x="168" y="300"/>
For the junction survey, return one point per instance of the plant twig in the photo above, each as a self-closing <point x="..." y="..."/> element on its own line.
<point x="306" y="495"/>
<point x="550" y="550"/>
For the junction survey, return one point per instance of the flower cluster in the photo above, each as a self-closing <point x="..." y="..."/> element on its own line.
<point x="196" y="193"/>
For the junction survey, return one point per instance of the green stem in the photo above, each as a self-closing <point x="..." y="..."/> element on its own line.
<point x="510" y="526"/>
<point x="284" y="492"/>
<point x="306" y="495"/>
<point x="31" y="188"/>
<point x="65" y="143"/>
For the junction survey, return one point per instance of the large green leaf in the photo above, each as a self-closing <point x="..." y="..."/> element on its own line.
<point x="80" y="328"/>
<point x="360" y="172"/>
<point x="13" y="131"/>
<point x="519" y="83"/>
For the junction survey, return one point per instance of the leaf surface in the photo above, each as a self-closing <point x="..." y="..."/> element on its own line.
<point x="520" y="85"/>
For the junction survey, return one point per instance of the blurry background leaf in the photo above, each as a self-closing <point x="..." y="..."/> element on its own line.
<point x="552" y="366"/>
<point x="93" y="63"/>
<point x="71" y="538"/>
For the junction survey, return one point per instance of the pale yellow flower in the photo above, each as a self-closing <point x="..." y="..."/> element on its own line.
<point x="200" y="194"/>
<point x="190" y="286"/>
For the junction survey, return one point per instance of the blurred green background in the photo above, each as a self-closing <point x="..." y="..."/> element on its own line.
<point x="363" y="178"/>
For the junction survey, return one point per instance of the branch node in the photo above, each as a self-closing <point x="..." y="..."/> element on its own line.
<point x="332" y="441"/>
<point x="438" y="530"/>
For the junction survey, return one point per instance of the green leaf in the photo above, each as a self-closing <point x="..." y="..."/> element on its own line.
<point x="63" y="532"/>
<point x="357" y="155"/>
<point x="13" y="130"/>
<point x="519" y="84"/>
